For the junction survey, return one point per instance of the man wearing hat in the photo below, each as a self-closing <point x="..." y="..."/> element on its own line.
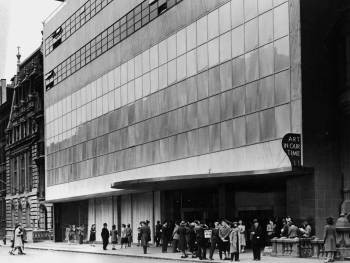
<point x="145" y="236"/>
<point x="256" y="236"/>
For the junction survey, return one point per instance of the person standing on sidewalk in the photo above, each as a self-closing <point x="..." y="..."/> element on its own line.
<point x="201" y="241"/>
<point x="182" y="231"/>
<point x="214" y="240"/>
<point x="145" y="236"/>
<point x="329" y="238"/>
<point x="256" y="236"/>
<point x="165" y="237"/>
<point x="105" y="236"/>
<point x="242" y="235"/>
<point x="129" y="235"/>
<point x="158" y="233"/>
<point x="224" y="234"/>
<point x="235" y="244"/>
<point x="175" y="242"/>
<point x="114" y="236"/>
<point x="92" y="238"/>
<point x="123" y="237"/>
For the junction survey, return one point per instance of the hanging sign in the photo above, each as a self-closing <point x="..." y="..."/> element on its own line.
<point x="291" y="144"/>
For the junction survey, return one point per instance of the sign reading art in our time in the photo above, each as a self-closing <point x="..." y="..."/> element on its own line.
<point x="291" y="144"/>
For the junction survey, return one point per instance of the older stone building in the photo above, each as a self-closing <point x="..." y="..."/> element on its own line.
<point x="25" y="198"/>
<point x="5" y="102"/>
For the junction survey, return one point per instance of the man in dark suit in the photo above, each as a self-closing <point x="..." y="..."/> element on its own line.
<point x="256" y="236"/>
<point x="105" y="236"/>
<point x="145" y="236"/>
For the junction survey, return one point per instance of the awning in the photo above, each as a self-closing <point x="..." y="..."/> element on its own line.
<point x="204" y="180"/>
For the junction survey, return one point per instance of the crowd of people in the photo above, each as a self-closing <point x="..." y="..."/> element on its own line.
<point x="197" y="238"/>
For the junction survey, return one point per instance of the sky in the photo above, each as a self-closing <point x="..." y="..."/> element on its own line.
<point x="21" y="25"/>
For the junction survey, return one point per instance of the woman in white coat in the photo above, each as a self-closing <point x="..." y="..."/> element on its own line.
<point x="18" y="241"/>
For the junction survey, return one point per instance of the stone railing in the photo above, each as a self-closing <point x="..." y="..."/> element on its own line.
<point x="41" y="235"/>
<point x="297" y="247"/>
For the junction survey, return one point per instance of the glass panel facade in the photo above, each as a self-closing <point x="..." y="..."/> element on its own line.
<point x="221" y="82"/>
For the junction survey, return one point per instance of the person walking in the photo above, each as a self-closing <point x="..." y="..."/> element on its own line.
<point x="242" y="235"/>
<point x="114" y="237"/>
<point x="123" y="237"/>
<point x="224" y="234"/>
<point x="182" y="231"/>
<point x="105" y="236"/>
<point x="158" y="233"/>
<point x="256" y="235"/>
<point x="92" y="238"/>
<point x="17" y="241"/>
<point x="139" y="235"/>
<point x="165" y="237"/>
<point x="145" y="236"/>
<point x="214" y="240"/>
<point x="235" y="244"/>
<point x="329" y="238"/>
<point x="129" y="234"/>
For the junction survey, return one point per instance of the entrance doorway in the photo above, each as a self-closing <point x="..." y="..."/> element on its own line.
<point x="190" y="205"/>
<point x="74" y="213"/>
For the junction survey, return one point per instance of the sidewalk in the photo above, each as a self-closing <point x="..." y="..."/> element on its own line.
<point x="153" y="253"/>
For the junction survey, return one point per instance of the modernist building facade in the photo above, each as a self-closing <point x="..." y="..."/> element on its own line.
<point x="25" y="173"/>
<point x="172" y="109"/>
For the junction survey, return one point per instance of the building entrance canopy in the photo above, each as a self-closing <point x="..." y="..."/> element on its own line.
<point x="204" y="180"/>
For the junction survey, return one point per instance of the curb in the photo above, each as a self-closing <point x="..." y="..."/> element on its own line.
<point x="121" y="255"/>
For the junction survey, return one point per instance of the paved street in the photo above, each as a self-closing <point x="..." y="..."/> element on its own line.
<point x="134" y="256"/>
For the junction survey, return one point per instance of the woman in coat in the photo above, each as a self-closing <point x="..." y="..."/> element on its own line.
<point x="235" y="244"/>
<point x="18" y="240"/>
<point x="92" y="238"/>
<point x="145" y="232"/>
<point x="329" y="238"/>
<point x="242" y="234"/>
<point x="175" y="242"/>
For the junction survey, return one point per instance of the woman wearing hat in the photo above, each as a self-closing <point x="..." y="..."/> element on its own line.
<point x="182" y="231"/>
<point x="329" y="238"/>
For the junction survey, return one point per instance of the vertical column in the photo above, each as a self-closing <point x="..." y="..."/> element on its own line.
<point x="222" y="201"/>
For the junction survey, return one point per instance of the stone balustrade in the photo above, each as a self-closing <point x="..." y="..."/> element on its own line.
<point x="297" y="247"/>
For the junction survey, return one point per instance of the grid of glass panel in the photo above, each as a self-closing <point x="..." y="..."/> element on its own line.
<point x="73" y="23"/>
<point x="222" y="82"/>
<point x="140" y="16"/>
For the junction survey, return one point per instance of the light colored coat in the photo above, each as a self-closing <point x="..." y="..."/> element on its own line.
<point x="235" y="241"/>
<point x="18" y="238"/>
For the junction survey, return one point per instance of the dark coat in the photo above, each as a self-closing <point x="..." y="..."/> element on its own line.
<point x="165" y="233"/>
<point x="182" y="231"/>
<point x="257" y="236"/>
<point x="105" y="234"/>
<point x="145" y="232"/>
<point x="215" y="235"/>
<point x="329" y="238"/>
